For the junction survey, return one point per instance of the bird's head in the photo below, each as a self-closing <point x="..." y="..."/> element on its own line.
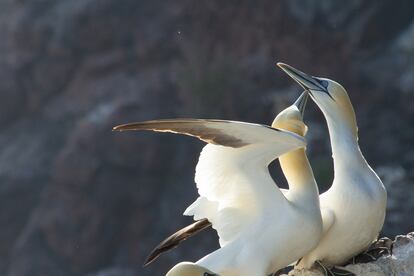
<point x="330" y="96"/>
<point x="291" y="118"/>
<point x="189" y="269"/>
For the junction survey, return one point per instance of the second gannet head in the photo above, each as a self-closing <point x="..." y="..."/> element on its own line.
<point x="291" y="118"/>
<point x="330" y="96"/>
<point x="189" y="269"/>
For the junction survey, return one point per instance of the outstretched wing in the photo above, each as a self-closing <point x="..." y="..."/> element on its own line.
<point x="232" y="175"/>
<point x="218" y="132"/>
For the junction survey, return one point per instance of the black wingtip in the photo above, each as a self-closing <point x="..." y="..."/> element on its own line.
<point x="152" y="257"/>
<point x="175" y="239"/>
<point x="122" y="127"/>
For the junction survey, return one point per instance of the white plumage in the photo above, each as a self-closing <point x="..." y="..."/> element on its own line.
<point x="235" y="186"/>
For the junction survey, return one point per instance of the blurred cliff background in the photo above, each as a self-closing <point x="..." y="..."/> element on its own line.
<point x="78" y="199"/>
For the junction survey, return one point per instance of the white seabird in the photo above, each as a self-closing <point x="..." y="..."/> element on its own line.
<point x="260" y="229"/>
<point x="353" y="209"/>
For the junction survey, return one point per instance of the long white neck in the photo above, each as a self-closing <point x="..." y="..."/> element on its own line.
<point x="345" y="148"/>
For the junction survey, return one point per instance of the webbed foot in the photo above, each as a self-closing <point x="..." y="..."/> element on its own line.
<point x="376" y="250"/>
<point x="334" y="271"/>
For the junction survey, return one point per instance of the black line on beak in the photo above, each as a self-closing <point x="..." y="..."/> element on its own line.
<point x="306" y="81"/>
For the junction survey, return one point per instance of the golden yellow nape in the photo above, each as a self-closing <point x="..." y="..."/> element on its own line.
<point x="290" y="119"/>
<point x="189" y="269"/>
<point x="338" y="105"/>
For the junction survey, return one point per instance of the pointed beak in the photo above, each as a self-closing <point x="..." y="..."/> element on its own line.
<point x="300" y="103"/>
<point x="306" y="81"/>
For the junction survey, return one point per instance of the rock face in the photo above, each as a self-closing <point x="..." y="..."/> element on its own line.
<point x="398" y="261"/>
<point x="77" y="199"/>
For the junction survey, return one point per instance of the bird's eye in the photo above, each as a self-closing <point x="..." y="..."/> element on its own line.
<point x="324" y="83"/>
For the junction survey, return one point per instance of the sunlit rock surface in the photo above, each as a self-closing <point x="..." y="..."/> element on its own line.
<point x="399" y="262"/>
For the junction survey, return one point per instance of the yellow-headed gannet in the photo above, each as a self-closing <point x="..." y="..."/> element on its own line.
<point x="289" y="119"/>
<point x="260" y="229"/>
<point x="353" y="209"/>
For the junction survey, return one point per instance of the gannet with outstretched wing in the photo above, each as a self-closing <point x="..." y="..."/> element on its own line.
<point x="293" y="164"/>
<point x="353" y="209"/>
<point x="260" y="229"/>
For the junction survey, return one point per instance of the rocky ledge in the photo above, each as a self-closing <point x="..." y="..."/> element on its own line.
<point x="385" y="258"/>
